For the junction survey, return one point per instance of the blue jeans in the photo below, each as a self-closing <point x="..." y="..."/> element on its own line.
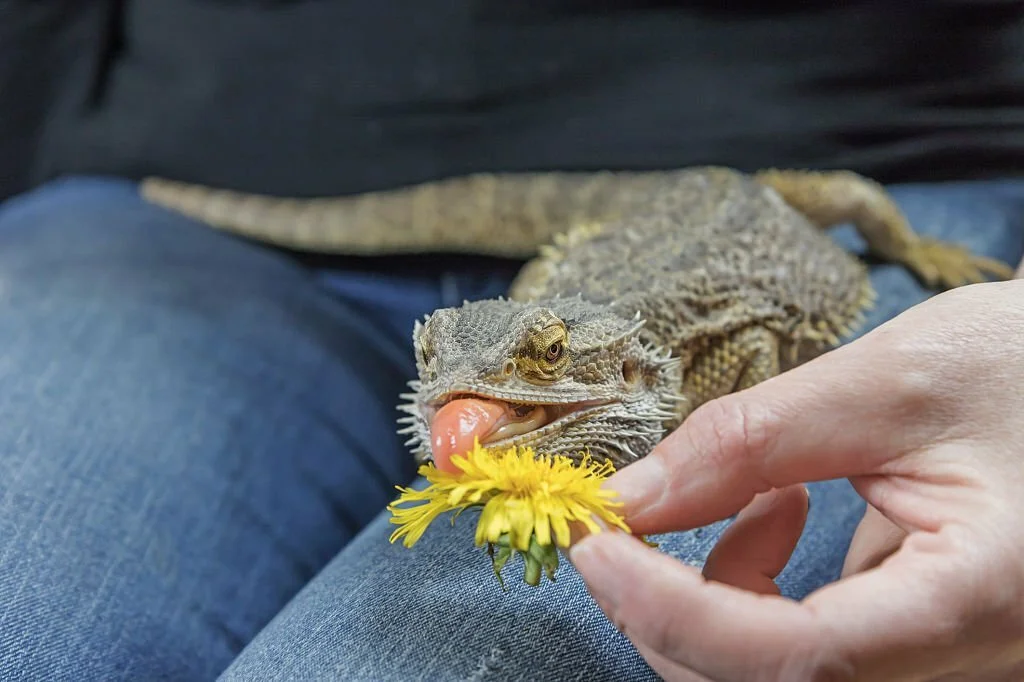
<point x="197" y="441"/>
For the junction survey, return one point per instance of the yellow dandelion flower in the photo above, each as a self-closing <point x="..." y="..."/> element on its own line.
<point x="527" y="503"/>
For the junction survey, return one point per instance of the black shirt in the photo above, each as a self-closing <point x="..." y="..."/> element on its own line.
<point x="336" y="96"/>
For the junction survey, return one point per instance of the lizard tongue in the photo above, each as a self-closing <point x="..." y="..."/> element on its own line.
<point x="457" y="424"/>
<point x="460" y="422"/>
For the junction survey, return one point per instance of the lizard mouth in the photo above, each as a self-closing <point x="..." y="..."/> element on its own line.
<point x="508" y="423"/>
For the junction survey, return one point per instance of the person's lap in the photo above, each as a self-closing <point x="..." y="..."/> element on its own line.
<point x="193" y="426"/>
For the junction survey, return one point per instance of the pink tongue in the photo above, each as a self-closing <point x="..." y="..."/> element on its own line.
<point x="457" y="424"/>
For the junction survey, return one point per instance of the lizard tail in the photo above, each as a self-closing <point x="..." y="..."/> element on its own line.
<point x="508" y="215"/>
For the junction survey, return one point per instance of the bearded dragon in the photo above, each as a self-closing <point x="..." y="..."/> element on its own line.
<point x="645" y="295"/>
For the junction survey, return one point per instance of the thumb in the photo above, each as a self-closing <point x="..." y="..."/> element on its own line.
<point x="843" y="414"/>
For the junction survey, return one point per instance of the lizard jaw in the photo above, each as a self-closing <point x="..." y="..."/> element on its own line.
<point x="541" y="421"/>
<point x="519" y="423"/>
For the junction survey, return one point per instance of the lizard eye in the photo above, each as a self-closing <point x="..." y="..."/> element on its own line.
<point x="543" y="356"/>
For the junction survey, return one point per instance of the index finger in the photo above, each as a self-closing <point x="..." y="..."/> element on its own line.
<point x="841" y="415"/>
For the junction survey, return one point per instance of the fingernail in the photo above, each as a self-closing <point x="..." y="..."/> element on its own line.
<point x="640" y="485"/>
<point x="762" y="504"/>
<point x="578" y="530"/>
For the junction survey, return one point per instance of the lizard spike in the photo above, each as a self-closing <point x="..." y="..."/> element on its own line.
<point x="635" y="328"/>
<point x="407" y="396"/>
<point x="412" y="441"/>
<point x="408" y="419"/>
<point x="408" y="409"/>
<point x="628" y="451"/>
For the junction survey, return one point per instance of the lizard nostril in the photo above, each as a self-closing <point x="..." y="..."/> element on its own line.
<point x="509" y="368"/>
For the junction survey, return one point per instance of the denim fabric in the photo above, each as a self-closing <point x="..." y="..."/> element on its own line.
<point x="194" y="428"/>
<point x="190" y="428"/>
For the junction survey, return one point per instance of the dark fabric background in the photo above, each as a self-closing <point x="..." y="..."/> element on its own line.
<point x="336" y="96"/>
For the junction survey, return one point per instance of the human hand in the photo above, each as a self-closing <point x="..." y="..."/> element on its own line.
<point x="925" y="416"/>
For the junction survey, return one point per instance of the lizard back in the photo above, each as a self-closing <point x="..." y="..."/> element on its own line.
<point x="711" y="252"/>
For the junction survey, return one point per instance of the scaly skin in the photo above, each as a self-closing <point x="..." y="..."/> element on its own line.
<point x="661" y="290"/>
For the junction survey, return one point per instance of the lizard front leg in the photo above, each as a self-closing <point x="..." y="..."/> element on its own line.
<point x="731" y="363"/>
<point x="831" y="198"/>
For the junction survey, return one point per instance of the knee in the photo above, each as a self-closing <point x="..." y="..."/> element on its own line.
<point x="181" y="431"/>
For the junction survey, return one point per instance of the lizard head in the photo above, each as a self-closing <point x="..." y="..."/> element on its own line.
<point x="560" y="375"/>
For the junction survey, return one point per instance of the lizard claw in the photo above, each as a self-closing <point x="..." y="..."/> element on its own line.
<point x="947" y="265"/>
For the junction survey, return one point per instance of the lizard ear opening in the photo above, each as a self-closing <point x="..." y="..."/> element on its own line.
<point x="630" y="371"/>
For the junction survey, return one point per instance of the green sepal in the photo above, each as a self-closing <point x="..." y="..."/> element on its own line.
<point x="650" y="543"/>
<point x="538" y="560"/>
<point x="499" y="558"/>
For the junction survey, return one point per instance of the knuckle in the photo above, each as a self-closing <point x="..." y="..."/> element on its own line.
<point x="662" y="637"/>
<point x="734" y="434"/>
<point x="916" y="373"/>
<point x="819" y="665"/>
<point x="810" y="660"/>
